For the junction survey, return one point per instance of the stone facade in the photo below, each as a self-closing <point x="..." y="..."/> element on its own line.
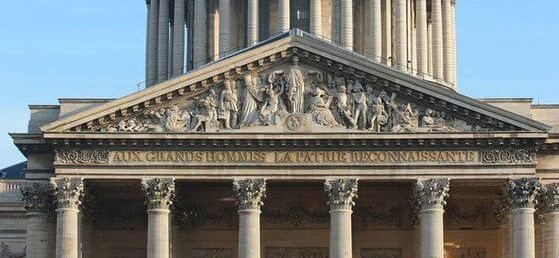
<point x="293" y="147"/>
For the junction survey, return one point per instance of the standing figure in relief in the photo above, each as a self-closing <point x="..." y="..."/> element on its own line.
<point x="252" y="96"/>
<point x="271" y="107"/>
<point x="320" y="109"/>
<point x="295" y="86"/>
<point x="228" y="105"/>
<point x="379" y="117"/>
<point x="342" y="111"/>
<point x="359" y="100"/>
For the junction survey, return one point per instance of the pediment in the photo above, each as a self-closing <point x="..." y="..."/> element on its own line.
<point x="295" y="85"/>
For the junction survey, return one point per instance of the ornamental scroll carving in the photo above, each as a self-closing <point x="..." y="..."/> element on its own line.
<point x="212" y="253"/>
<point x="508" y="156"/>
<point x="298" y="215"/>
<point x="68" y="192"/>
<point x="296" y="252"/>
<point x="373" y="218"/>
<point x="381" y="253"/>
<point x="291" y="97"/>
<point x="341" y="193"/>
<point x="250" y="193"/>
<point x="432" y="193"/>
<point x="159" y="192"/>
<point x="523" y="192"/>
<point x="71" y="156"/>
<point x="549" y="201"/>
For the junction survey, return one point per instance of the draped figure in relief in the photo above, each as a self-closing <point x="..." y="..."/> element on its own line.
<point x="252" y="96"/>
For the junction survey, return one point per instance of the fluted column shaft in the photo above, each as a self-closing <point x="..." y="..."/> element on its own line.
<point x="453" y="78"/>
<point x="283" y="16"/>
<point x="437" y="24"/>
<point x="431" y="197"/>
<point x="447" y="41"/>
<point x="250" y="194"/>
<point x="421" y="20"/>
<point x="401" y="38"/>
<point x="178" y="38"/>
<point x="316" y="17"/>
<point x="252" y="22"/>
<point x="522" y="194"/>
<point x="224" y="27"/>
<point x="200" y="51"/>
<point x="346" y="29"/>
<point x="67" y="193"/>
<point x="341" y="195"/>
<point x="151" y="56"/>
<point x="163" y="42"/>
<point x="37" y="201"/>
<point x="159" y="193"/>
<point x="374" y="25"/>
<point x="387" y="27"/>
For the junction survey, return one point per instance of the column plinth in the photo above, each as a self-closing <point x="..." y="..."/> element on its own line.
<point x="67" y="193"/>
<point x="522" y="195"/>
<point x="341" y="194"/>
<point x="159" y="193"/>
<point x="431" y="195"/>
<point x="250" y="194"/>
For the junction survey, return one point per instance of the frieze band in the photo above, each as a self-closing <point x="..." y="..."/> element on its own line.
<point x="372" y="158"/>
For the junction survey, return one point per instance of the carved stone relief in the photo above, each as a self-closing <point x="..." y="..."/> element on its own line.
<point x="374" y="218"/>
<point x="286" y="96"/>
<point x="212" y="253"/>
<point x="298" y="215"/>
<point x="459" y="217"/>
<point x="296" y="252"/>
<point x="206" y="216"/>
<point x="508" y="156"/>
<point x="381" y="253"/>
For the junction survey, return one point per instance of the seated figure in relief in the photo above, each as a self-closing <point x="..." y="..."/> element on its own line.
<point x="270" y="110"/>
<point x="320" y="108"/>
<point x="207" y="113"/>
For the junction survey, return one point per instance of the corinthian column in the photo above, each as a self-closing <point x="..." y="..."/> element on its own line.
<point x="522" y="195"/>
<point x="431" y="196"/>
<point x="283" y="16"/>
<point x="341" y="194"/>
<point x="316" y="17"/>
<point x="178" y="38"/>
<point x="159" y="193"/>
<point x="252" y="22"/>
<point x="346" y="38"/>
<point x="447" y="40"/>
<point x="67" y="193"/>
<point x="437" y="24"/>
<point x="550" y="205"/>
<point x="421" y="21"/>
<point x="200" y="51"/>
<point x="37" y="198"/>
<point x="151" y="56"/>
<point x="163" y="39"/>
<point x="249" y="193"/>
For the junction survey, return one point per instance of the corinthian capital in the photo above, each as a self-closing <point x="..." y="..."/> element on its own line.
<point x="250" y="193"/>
<point x="431" y="193"/>
<point x="550" y="198"/>
<point x="523" y="192"/>
<point x="68" y="192"/>
<point x="159" y="192"/>
<point x="37" y="197"/>
<point x="341" y="192"/>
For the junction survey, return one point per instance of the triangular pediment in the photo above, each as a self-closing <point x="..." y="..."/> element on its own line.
<point x="295" y="85"/>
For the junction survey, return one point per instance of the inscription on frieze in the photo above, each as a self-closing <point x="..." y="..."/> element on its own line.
<point x="291" y="158"/>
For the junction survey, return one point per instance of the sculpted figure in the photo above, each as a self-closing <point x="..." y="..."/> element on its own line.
<point x="359" y="100"/>
<point x="295" y="86"/>
<point x="271" y="107"/>
<point x="228" y="105"/>
<point x="320" y="109"/>
<point x="342" y="110"/>
<point x="405" y="122"/>
<point x="207" y="112"/>
<point x="252" y="96"/>
<point x="379" y="117"/>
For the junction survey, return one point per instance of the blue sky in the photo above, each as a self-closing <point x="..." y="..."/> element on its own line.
<point x="83" y="48"/>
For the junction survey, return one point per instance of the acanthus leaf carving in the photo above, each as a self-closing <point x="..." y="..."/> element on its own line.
<point x="68" y="192"/>
<point x="523" y="193"/>
<point x="341" y="192"/>
<point x="432" y="193"/>
<point x="159" y="192"/>
<point x="37" y="197"/>
<point x="250" y="193"/>
<point x="550" y="198"/>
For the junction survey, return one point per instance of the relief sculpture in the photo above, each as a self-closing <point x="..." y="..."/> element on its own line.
<point x="294" y="97"/>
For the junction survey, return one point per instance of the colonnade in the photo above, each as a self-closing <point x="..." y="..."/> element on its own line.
<point x="518" y="205"/>
<point x="415" y="36"/>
